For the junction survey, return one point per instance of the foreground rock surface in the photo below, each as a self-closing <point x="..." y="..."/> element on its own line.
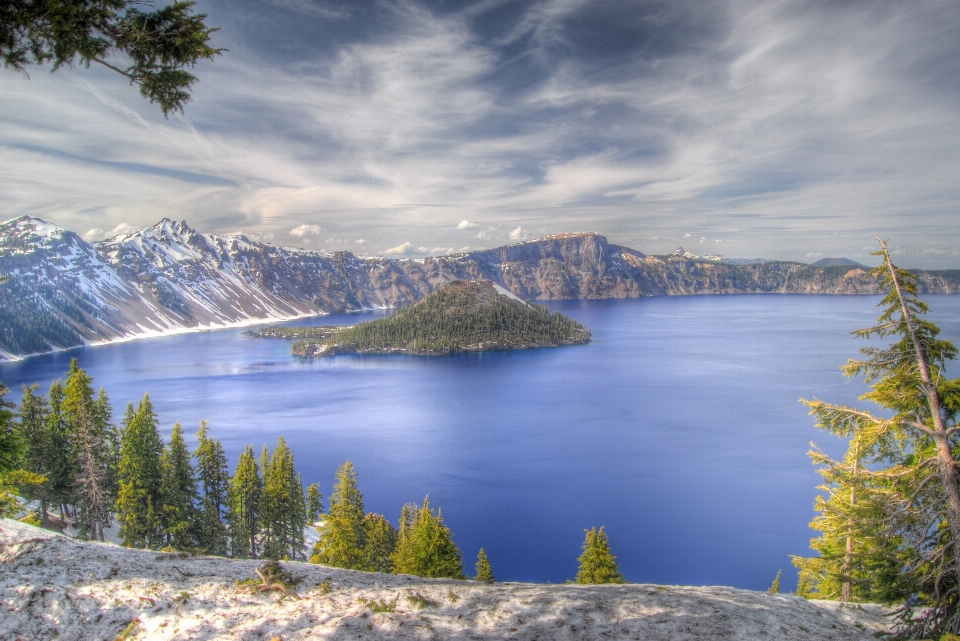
<point x="54" y="587"/>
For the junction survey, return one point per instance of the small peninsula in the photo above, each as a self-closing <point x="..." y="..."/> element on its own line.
<point x="461" y="316"/>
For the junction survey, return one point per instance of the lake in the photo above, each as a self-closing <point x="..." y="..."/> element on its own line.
<point x="677" y="427"/>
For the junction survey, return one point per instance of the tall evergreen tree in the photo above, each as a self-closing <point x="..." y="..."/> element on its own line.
<point x="88" y="435"/>
<point x="179" y="493"/>
<point x="343" y="537"/>
<point x="214" y="481"/>
<point x="381" y="541"/>
<point x="243" y="499"/>
<point x="425" y="545"/>
<point x="140" y="476"/>
<point x="60" y="459"/>
<point x="898" y="498"/>
<point x="283" y="508"/>
<point x="112" y="436"/>
<point x="597" y="564"/>
<point x="484" y="571"/>
<point x="11" y="451"/>
<point x="314" y="503"/>
<point x="32" y="427"/>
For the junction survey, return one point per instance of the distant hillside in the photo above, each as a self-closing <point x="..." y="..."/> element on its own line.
<point x="169" y="278"/>
<point x="837" y="262"/>
<point x="462" y="316"/>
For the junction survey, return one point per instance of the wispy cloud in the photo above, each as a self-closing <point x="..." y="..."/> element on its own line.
<point x="780" y="128"/>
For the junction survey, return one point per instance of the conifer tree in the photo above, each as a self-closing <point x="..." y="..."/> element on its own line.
<point x="775" y="586"/>
<point x="214" y="481"/>
<point x="425" y="545"/>
<point x="283" y="507"/>
<point x="484" y="571"/>
<point x="104" y="414"/>
<point x="90" y="452"/>
<point x="381" y="540"/>
<point x="243" y="498"/>
<point x="314" y="503"/>
<point x="60" y="459"/>
<point x="179" y="493"/>
<point x="597" y="564"/>
<point x="140" y="476"/>
<point x="32" y="428"/>
<point x="343" y="537"/>
<point x="11" y="451"/>
<point x="897" y="504"/>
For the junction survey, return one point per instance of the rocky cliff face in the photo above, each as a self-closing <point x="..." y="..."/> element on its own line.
<point x="64" y="292"/>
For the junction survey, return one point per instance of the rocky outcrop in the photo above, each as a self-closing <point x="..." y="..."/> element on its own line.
<point x="63" y="292"/>
<point x="53" y="587"/>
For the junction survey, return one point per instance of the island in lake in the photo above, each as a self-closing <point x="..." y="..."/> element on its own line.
<point x="462" y="316"/>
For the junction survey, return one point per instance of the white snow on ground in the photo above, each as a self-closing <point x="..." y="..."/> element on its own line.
<point x="54" y="587"/>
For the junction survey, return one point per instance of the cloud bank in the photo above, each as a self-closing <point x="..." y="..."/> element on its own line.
<point x="780" y="128"/>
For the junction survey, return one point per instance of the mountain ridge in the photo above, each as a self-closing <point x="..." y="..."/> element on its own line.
<point x="65" y="292"/>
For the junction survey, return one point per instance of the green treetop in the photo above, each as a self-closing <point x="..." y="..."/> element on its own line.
<point x="381" y="540"/>
<point x="140" y="476"/>
<point x="314" y="503"/>
<point x="283" y="506"/>
<point x="11" y="451"/>
<point x="597" y="564"/>
<point x="32" y="428"/>
<point x="152" y="49"/>
<point x="179" y="493"/>
<point x="243" y="499"/>
<point x="890" y="521"/>
<point x="484" y="571"/>
<point x="343" y="537"/>
<point x="214" y="481"/>
<point x="425" y="544"/>
<point x="88" y="436"/>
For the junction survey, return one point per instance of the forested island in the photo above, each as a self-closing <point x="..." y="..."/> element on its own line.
<point x="462" y="316"/>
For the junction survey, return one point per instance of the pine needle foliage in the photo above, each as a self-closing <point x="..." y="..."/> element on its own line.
<point x="282" y="509"/>
<point x="243" y="498"/>
<point x="151" y="49"/>
<point x="381" y="541"/>
<point x="343" y="537"/>
<point x="139" y="504"/>
<point x="214" y="482"/>
<point x="484" y="571"/>
<point x="179" y="494"/>
<point x="461" y="316"/>
<point x="597" y="563"/>
<point x="889" y="512"/>
<point x="314" y="503"/>
<point x="32" y="427"/>
<point x="11" y="450"/>
<point x="90" y="456"/>
<point x="425" y="544"/>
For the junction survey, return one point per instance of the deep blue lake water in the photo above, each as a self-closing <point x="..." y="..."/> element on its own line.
<point x="677" y="428"/>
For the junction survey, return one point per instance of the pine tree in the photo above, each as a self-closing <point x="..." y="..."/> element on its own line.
<point x="425" y="545"/>
<point x="179" y="493"/>
<point x="140" y="476"/>
<point x="243" y="499"/>
<point x="88" y="435"/>
<point x="60" y="461"/>
<point x="32" y="428"/>
<point x="314" y="503"/>
<point x="11" y="451"/>
<point x="597" y="564"/>
<point x="484" y="571"/>
<point x="214" y="481"/>
<point x="104" y="414"/>
<point x="343" y="537"/>
<point x="283" y="508"/>
<point x="381" y="540"/>
<point x="894" y="501"/>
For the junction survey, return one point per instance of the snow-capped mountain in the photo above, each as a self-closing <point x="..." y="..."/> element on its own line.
<point x="63" y="292"/>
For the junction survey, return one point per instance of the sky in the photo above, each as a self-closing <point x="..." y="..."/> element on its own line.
<point x="784" y="129"/>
